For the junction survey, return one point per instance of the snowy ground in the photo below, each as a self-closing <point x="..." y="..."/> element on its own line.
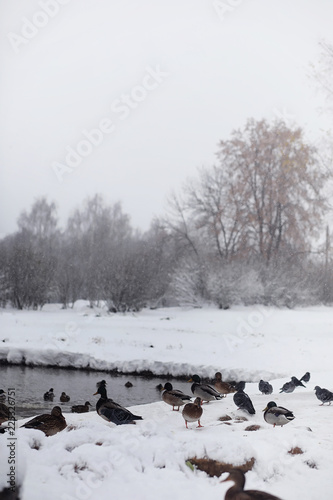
<point x="147" y="461"/>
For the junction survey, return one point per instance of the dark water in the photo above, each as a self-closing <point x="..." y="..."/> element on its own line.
<point x="31" y="383"/>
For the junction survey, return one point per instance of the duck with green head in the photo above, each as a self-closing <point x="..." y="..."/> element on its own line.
<point x="203" y="391"/>
<point x="277" y="415"/>
<point x="174" y="397"/>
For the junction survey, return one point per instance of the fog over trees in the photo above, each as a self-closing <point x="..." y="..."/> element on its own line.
<point x="249" y="229"/>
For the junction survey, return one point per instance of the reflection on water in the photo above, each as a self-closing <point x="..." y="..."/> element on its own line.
<point x="31" y="383"/>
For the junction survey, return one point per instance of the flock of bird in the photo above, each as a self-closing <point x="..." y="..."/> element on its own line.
<point x="112" y="411"/>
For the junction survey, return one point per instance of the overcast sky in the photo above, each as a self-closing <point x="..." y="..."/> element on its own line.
<point x="128" y="98"/>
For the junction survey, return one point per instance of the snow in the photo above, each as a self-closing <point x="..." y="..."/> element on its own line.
<point x="148" y="460"/>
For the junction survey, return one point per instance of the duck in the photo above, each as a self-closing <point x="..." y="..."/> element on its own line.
<point x="174" y="397"/>
<point x="2" y="396"/>
<point x="222" y="387"/>
<point x="277" y="415"/>
<point x="203" y="391"/>
<point x="242" y="400"/>
<point x="265" y="387"/>
<point x="324" y="395"/>
<point x="81" y="408"/>
<point x="4" y="413"/>
<point x="112" y="411"/>
<point x="64" y="398"/>
<point x="192" y="412"/>
<point x="306" y="377"/>
<point x="50" y="424"/>
<point x="237" y="491"/>
<point x="49" y="395"/>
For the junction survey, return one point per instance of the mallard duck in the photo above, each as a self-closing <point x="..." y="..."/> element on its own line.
<point x="4" y="413"/>
<point x="2" y="396"/>
<point x="306" y="377"/>
<point x="174" y="397"/>
<point x="81" y="408"/>
<point x="324" y="395"/>
<point x="265" y="387"/>
<point x="112" y="411"/>
<point x="50" y="424"/>
<point x="237" y="492"/>
<point x="64" y="398"/>
<point x="277" y="415"/>
<point x="242" y="400"/>
<point x="49" y="395"/>
<point x="222" y="387"/>
<point x="192" y="412"/>
<point x="203" y="391"/>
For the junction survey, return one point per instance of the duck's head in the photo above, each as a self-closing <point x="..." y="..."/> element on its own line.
<point x="56" y="411"/>
<point x="195" y="378"/>
<point x="197" y="402"/>
<point x="167" y="387"/>
<point x="237" y="476"/>
<point x="271" y="404"/>
<point x="218" y="376"/>
<point x="101" y="390"/>
<point x="87" y="403"/>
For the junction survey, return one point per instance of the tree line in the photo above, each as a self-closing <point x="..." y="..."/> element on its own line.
<point x="249" y="229"/>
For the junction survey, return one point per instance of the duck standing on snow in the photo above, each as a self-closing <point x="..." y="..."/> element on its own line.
<point x="112" y="411"/>
<point x="277" y="415"/>
<point x="324" y="395"/>
<point x="265" y="387"/>
<point x="306" y="377"/>
<point x="50" y="424"/>
<point x="174" y="397"/>
<point x="49" y="395"/>
<point x="64" y="398"/>
<point x="222" y="387"/>
<point x="237" y="492"/>
<point x="242" y="400"/>
<point x="192" y="412"/>
<point x="203" y="391"/>
<point x="81" y="408"/>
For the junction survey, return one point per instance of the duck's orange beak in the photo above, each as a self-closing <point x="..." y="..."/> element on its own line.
<point x="95" y="394"/>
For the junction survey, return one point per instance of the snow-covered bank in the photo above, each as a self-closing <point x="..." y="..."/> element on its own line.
<point x="248" y="343"/>
<point x="92" y="458"/>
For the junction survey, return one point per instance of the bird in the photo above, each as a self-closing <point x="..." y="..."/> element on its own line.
<point x="174" y="397"/>
<point x="242" y="400"/>
<point x="306" y="377"/>
<point x="288" y="387"/>
<point x="81" y="408"/>
<point x="49" y="395"/>
<point x="50" y="424"/>
<point x="203" y="391"/>
<point x="128" y="384"/>
<point x="222" y="387"/>
<point x="297" y="382"/>
<point x="237" y="491"/>
<point x="4" y="413"/>
<point x="277" y="415"/>
<point x="112" y="411"/>
<point x="64" y="398"/>
<point x="192" y="412"/>
<point x="2" y="396"/>
<point x="324" y="395"/>
<point x="265" y="387"/>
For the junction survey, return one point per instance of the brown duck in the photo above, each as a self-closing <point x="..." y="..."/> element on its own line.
<point x="81" y="408"/>
<point x="174" y="397"/>
<point x="237" y="492"/>
<point x="222" y="387"/>
<point x="192" y="412"/>
<point x="64" y="398"/>
<point x="50" y="424"/>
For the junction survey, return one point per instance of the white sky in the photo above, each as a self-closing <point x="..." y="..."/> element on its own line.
<point x="250" y="62"/>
